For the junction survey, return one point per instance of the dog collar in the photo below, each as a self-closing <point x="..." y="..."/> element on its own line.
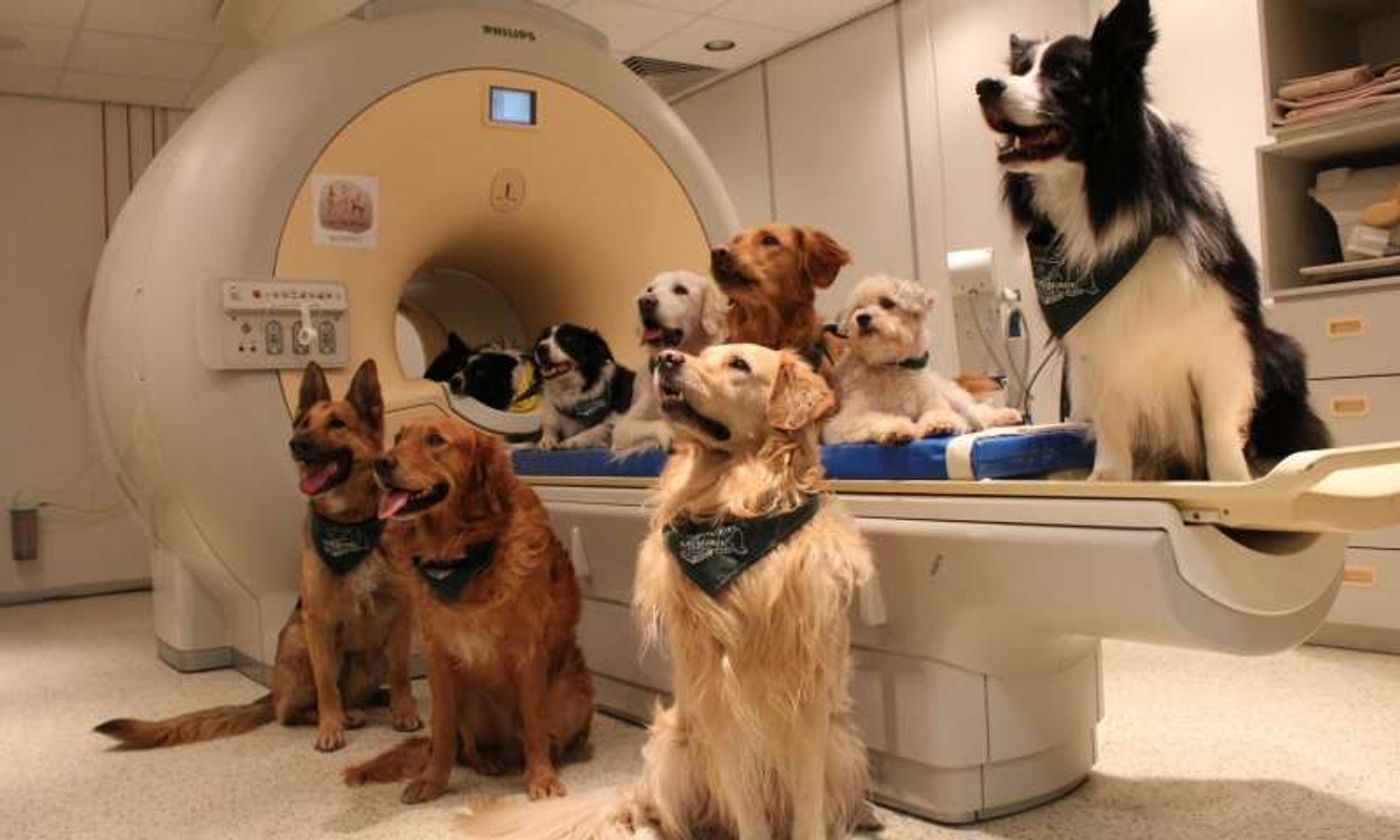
<point x="344" y="545"/>
<point x="589" y="412"/>
<point x="714" y="554"/>
<point x="1065" y="297"/>
<point x="448" y="579"/>
<point x="916" y="363"/>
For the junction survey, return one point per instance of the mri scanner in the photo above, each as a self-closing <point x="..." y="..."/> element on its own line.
<point x="488" y="167"/>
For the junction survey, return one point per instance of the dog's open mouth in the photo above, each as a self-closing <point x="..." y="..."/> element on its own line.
<point x="400" y="501"/>
<point x="1031" y="143"/>
<point x="554" y="370"/>
<point x="323" y="472"/>
<point x="656" y="335"/>
<point x="674" y="405"/>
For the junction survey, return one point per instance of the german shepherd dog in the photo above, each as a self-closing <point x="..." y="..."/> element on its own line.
<point x="352" y="619"/>
<point x="498" y="606"/>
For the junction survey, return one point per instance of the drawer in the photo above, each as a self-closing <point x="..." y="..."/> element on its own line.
<point x="1358" y="411"/>
<point x="1370" y="593"/>
<point x="1350" y="333"/>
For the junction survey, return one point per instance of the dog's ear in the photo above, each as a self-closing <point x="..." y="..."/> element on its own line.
<point x="821" y="256"/>
<point x="915" y="297"/>
<point x="714" y="310"/>
<point x="800" y="397"/>
<point x="313" y="389"/>
<point x="365" y="396"/>
<point x="1125" y="35"/>
<point x="491" y="472"/>
<point x="455" y="344"/>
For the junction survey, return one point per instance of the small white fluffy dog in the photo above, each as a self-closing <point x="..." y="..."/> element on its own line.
<point x="889" y="392"/>
<point x="760" y="742"/>
<point x="678" y="310"/>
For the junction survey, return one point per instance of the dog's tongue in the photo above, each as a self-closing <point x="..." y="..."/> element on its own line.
<point x="392" y="502"/>
<point x="314" y="478"/>
<point x="651" y="334"/>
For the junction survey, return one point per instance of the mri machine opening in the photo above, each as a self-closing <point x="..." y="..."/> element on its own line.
<point x="354" y="195"/>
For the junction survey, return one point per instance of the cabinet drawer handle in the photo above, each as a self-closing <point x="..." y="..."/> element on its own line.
<point x="1349" y="326"/>
<point x="1351" y="406"/>
<point x="1359" y="576"/>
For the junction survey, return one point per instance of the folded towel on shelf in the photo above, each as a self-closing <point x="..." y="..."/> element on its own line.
<point x="1378" y="90"/>
<point x="1322" y="84"/>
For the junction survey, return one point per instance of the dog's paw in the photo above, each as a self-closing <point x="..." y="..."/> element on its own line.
<point x="407" y="720"/>
<point x="543" y="785"/>
<point x="330" y="736"/>
<point x="354" y="718"/>
<point x="486" y="765"/>
<point x="939" y="424"/>
<point x="1108" y="474"/>
<point x="866" y="820"/>
<point x="570" y="443"/>
<point x="354" y="776"/>
<point x="1004" y="417"/>
<point x="891" y="431"/>
<point x="422" y="789"/>
<point x="549" y="442"/>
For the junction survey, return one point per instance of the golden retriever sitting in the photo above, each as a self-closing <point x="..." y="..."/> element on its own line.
<point x="771" y="274"/>
<point x="747" y="574"/>
<point x="498" y="606"/>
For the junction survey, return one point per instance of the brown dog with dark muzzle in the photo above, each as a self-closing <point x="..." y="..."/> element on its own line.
<point x="771" y="274"/>
<point x="498" y="606"/>
<point x="351" y="627"/>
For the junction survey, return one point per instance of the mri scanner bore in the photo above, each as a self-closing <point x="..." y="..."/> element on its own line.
<point x="383" y="183"/>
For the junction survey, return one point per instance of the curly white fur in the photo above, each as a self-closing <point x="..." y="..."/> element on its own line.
<point x="886" y="396"/>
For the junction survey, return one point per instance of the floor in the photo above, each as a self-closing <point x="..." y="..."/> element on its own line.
<point x="1195" y="745"/>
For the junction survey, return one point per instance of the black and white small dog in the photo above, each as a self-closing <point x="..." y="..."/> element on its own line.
<point x="1175" y="368"/>
<point x="585" y="390"/>
<point x="495" y="374"/>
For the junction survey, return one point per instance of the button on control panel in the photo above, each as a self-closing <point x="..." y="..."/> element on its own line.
<point x="282" y="324"/>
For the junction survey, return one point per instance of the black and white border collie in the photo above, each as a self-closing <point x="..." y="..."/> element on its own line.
<point x="585" y="390"/>
<point x="1173" y="365"/>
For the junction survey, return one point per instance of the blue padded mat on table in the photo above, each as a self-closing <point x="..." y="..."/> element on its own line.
<point x="1005" y="453"/>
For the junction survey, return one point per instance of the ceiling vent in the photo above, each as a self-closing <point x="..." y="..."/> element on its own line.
<point x="670" y="78"/>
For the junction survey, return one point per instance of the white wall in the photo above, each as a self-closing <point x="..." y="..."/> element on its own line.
<point x="66" y="167"/>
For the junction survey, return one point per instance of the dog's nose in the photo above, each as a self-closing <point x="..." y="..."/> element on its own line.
<point x="990" y="89"/>
<point x="301" y="446"/>
<point x="646" y="304"/>
<point x="863" y="320"/>
<point x="721" y="259"/>
<point x="670" y="360"/>
<point x="384" y="467"/>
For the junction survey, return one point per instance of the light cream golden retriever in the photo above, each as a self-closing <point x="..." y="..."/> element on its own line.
<point x="759" y="742"/>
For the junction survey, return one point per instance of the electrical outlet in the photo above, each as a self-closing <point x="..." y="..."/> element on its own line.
<point x="24" y="533"/>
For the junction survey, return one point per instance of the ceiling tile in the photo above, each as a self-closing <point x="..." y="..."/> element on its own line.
<point x="627" y="25"/>
<point x="752" y="43"/>
<point x="808" y="16"/>
<point x="46" y="12"/>
<point x="129" y="89"/>
<point x="36" y="81"/>
<point x="44" y="46"/>
<point x="184" y="20"/>
<point x="228" y="63"/>
<point x="129" y="55"/>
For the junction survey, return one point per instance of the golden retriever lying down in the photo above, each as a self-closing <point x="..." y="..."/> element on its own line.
<point x="747" y="574"/>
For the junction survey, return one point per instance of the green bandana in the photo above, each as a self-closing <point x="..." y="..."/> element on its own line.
<point x="916" y="363"/>
<point x="714" y="554"/>
<point x="344" y="545"/>
<point x="1066" y="298"/>
<point x="448" y="579"/>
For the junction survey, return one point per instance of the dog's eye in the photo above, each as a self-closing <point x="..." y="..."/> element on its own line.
<point x="739" y="364"/>
<point x="336" y="423"/>
<point x="886" y="303"/>
<point x="435" y="439"/>
<point x="680" y="290"/>
<point x="770" y="240"/>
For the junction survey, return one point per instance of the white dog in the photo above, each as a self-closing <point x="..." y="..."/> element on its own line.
<point x="889" y="392"/>
<point x="678" y="310"/>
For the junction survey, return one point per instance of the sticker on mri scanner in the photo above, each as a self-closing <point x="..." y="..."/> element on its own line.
<point x="345" y="210"/>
